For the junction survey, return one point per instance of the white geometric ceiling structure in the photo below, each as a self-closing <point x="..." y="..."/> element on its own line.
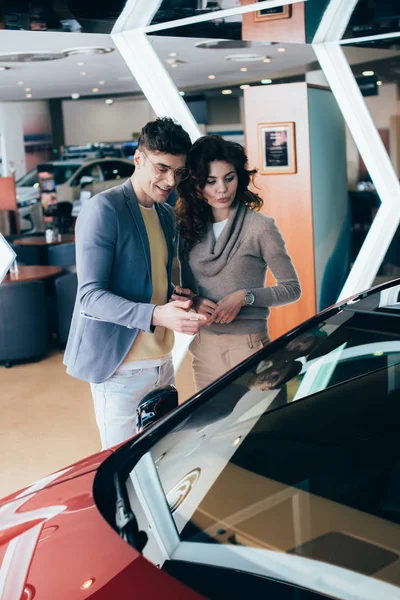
<point x="130" y="37"/>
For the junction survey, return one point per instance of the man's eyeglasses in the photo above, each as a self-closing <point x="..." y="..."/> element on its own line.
<point x="180" y="174"/>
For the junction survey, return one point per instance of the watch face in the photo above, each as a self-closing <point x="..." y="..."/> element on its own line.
<point x="249" y="298"/>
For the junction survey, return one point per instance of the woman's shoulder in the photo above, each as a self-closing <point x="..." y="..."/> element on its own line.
<point x="260" y="220"/>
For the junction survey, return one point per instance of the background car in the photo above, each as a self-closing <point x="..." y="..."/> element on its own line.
<point x="279" y="480"/>
<point x="104" y="172"/>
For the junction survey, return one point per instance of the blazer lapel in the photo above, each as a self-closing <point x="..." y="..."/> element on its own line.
<point x="134" y="209"/>
<point x="167" y="229"/>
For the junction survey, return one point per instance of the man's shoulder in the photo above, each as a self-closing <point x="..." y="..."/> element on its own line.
<point x="112" y="197"/>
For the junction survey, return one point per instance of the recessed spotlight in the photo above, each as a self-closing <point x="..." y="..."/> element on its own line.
<point x="267" y="59"/>
<point x="27" y="89"/>
<point x="244" y="86"/>
<point x="174" y="65"/>
<point x="80" y="64"/>
<point x="182" y="93"/>
<point x="281" y="49"/>
<point x="172" y="54"/>
<point x="211" y="77"/>
<point x="28" y="96"/>
<point x="226" y="92"/>
<point x="20" y="83"/>
<point x="379" y="83"/>
<point x="109" y="101"/>
<point x="243" y="69"/>
<point x="4" y="68"/>
<point x="368" y="73"/>
<point x="101" y="82"/>
<point x="83" y="73"/>
<point x="95" y="89"/>
<point x="266" y="81"/>
<point x="75" y="96"/>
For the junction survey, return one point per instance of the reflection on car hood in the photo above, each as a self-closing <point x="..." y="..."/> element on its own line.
<point x="54" y="543"/>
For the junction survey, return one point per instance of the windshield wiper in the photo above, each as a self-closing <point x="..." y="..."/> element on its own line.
<point x="125" y="520"/>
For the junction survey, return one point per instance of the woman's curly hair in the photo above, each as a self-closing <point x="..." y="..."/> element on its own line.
<point x="193" y="212"/>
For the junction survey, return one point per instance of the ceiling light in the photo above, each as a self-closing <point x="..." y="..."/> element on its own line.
<point x="368" y="73"/>
<point x="226" y="92"/>
<point x="4" y="68"/>
<point x="109" y="101"/>
<point x="170" y="61"/>
<point x="267" y="59"/>
<point x="95" y="89"/>
<point x="182" y="93"/>
<point x="172" y="54"/>
<point x="266" y="81"/>
<point x="74" y="96"/>
<point x="174" y="65"/>
<point x="244" y="86"/>
<point x="211" y="77"/>
<point x="243" y="69"/>
<point x="245" y="57"/>
<point x="83" y="73"/>
<point x="80" y="64"/>
<point x="379" y="83"/>
<point x="281" y="49"/>
<point x="20" y="83"/>
<point x="27" y="89"/>
<point x="101" y="82"/>
<point x="28" y="96"/>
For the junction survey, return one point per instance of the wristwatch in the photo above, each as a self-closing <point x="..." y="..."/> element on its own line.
<point x="249" y="298"/>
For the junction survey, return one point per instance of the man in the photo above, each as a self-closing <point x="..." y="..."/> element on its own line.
<point x="121" y="332"/>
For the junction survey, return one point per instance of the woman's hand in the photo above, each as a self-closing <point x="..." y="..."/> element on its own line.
<point x="204" y="306"/>
<point x="228" y="307"/>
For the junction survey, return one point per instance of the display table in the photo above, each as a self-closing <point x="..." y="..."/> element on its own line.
<point x="28" y="273"/>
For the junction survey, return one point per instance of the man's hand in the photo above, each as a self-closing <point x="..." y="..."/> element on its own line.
<point x="176" y="316"/>
<point x="228" y="308"/>
<point x="204" y="306"/>
<point x="181" y="293"/>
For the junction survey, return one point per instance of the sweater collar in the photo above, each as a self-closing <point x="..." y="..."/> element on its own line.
<point x="211" y="256"/>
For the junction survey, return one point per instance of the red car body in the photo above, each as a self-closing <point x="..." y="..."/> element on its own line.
<point x="55" y="544"/>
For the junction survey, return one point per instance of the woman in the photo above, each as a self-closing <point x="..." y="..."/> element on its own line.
<point x="226" y="247"/>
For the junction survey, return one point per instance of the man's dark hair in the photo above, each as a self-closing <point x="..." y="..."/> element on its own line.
<point x="166" y="136"/>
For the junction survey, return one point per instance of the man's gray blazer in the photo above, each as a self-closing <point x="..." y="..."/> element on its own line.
<point x="114" y="281"/>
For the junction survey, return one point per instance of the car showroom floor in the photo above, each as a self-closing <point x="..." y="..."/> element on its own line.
<point x="48" y="420"/>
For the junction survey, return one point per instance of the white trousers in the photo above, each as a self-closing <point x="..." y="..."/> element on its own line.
<point x="116" y="400"/>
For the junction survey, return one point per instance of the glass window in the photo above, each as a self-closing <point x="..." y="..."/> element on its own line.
<point x="93" y="170"/>
<point x="29" y="179"/>
<point x="299" y="455"/>
<point x="61" y="174"/>
<point x="115" y="169"/>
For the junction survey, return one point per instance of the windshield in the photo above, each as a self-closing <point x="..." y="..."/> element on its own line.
<point x="61" y="174"/>
<point x="294" y="465"/>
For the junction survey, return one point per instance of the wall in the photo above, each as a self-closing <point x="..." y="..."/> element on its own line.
<point x="223" y="110"/>
<point x="290" y="30"/>
<point x="330" y="205"/>
<point x="385" y="111"/>
<point x="29" y="120"/>
<point x="287" y="198"/>
<point x="12" y="138"/>
<point x="91" y="121"/>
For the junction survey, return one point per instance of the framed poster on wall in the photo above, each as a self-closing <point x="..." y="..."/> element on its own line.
<point x="277" y="148"/>
<point x="269" y="14"/>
